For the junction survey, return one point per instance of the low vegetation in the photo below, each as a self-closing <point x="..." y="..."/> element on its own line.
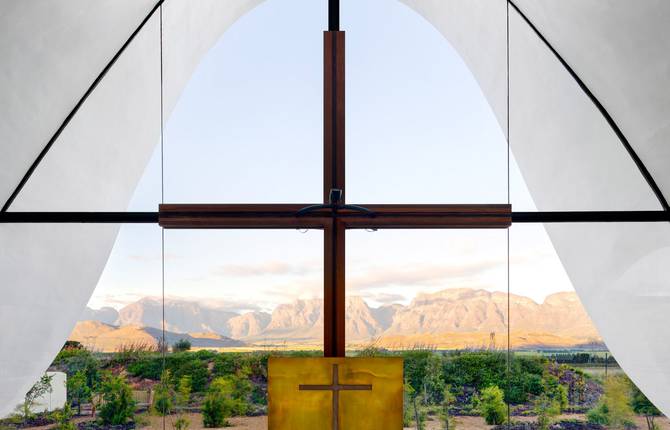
<point x="439" y="386"/>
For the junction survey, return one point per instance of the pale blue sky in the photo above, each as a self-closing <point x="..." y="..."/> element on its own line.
<point x="248" y="128"/>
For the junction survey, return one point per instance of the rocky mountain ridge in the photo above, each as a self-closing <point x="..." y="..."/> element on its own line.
<point x="459" y="313"/>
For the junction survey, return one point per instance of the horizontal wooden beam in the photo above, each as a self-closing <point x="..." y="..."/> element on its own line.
<point x="430" y="216"/>
<point x="285" y="216"/>
<point x="238" y="216"/>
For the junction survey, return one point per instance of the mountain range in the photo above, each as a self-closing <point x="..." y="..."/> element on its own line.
<point x="455" y="318"/>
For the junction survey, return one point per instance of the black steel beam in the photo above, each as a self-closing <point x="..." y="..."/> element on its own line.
<point x="590" y="216"/>
<point x="333" y="15"/>
<point x="152" y="217"/>
<point x="79" y="217"/>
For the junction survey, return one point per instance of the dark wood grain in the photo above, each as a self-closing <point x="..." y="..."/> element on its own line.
<point x="333" y="112"/>
<point x="284" y="216"/>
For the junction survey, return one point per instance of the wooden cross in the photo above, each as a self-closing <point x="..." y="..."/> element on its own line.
<point x="333" y="216"/>
<point x="336" y="387"/>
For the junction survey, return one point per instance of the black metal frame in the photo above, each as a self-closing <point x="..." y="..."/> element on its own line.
<point x="334" y="25"/>
<point x="605" y="114"/>
<point x="76" y="108"/>
<point x="152" y="217"/>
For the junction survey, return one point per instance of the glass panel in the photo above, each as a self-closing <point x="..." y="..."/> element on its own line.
<point x="418" y="126"/>
<point x="438" y="298"/>
<point x="232" y="299"/>
<point x="562" y="370"/>
<point x="248" y="127"/>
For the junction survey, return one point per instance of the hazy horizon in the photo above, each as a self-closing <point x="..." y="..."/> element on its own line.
<point x="219" y="304"/>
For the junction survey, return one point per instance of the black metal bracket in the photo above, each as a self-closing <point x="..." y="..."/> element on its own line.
<point x="334" y="204"/>
<point x="335" y="208"/>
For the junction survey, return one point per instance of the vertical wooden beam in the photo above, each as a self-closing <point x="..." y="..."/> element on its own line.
<point x="334" y="290"/>
<point x="333" y="178"/>
<point x="333" y="113"/>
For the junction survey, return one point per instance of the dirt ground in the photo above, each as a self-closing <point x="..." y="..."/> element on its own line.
<point x="261" y="423"/>
<point x="247" y="423"/>
<point x="477" y="423"/>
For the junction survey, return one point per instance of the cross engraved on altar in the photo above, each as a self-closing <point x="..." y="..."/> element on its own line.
<point x="338" y="393"/>
<point x="336" y="387"/>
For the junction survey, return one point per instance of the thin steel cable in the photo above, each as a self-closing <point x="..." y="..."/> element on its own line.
<point x="509" y="201"/>
<point x="162" y="140"/>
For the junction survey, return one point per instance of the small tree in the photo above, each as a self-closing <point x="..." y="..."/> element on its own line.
<point x="448" y="400"/>
<point x="184" y="392"/>
<point x="40" y="388"/>
<point x="181" y="345"/>
<point x="78" y="390"/>
<point x="642" y="406"/>
<point x="183" y="399"/>
<point x="163" y="394"/>
<point x="546" y="409"/>
<point x="555" y="392"/>
<point x="219" y="403"/>
<point x="551" y="402"/>
<point x="412" y="413"/>
<point x="118" y="405"/>
<point x="492" y="405"/>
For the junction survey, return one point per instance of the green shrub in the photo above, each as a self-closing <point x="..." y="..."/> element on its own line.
<point x="181" y="423"/>
<point x="147" y="367"/>
<point x="196" y="369"/>
<point x="492" y="405"/>
<point x="613" y="409"/>
<point x="78" y="390"/>
<point x="598" y="415"/>
<point x="184" y="391"/>
<point x="225" y="397"/>
<point x="164" y="395"/>
<point x="162" y="403"/>
<point x="555" y="391"/>
<point x="258" y="395"/>
<point x="214" y="410"/>
<point x="63" y="418"/>
<point x="423" y="371"/>
<point x="181" y="345"/>
<point x="546" y="410"/>
<point x="118" y="405"/>
<point x="475" y="369"/>
<point x="226" y="364"/>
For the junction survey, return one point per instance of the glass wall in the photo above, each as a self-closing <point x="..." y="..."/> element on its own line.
<point x="562" y="371"/>
<point x="233" y="299"/>
<point x="438" y="299"/>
